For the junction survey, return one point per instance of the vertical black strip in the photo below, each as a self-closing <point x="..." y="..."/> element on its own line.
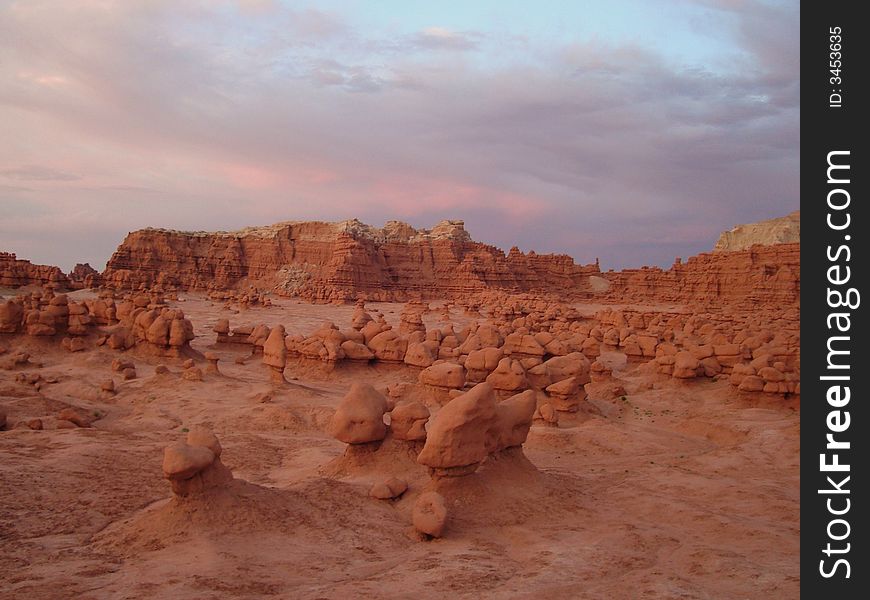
<point x="834" y="225"/>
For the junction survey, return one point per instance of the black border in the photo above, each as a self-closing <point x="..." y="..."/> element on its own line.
<point x="825" y="129"/>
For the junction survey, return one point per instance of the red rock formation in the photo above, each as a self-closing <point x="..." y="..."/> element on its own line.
<point x="327" y="261"/>
<point x="15" y="272"/>
<point x="84" y="276"/>
<point x="761" y="275"/>
<point x="784" y="230"/>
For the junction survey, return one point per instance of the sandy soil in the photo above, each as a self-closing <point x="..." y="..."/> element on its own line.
<point x="678" y="490"/>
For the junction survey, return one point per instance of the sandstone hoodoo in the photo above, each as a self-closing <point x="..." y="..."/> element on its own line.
<point x="359" y="419"/>
<point x="275" y="353"/>
<point x="408" y="421"/>
<point x="472" y="426"/>
<point x="194" y="466"/>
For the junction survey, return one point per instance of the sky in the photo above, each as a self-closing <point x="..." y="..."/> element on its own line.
<point x="633" y="131"/>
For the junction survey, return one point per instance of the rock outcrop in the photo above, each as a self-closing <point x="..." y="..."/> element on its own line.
<point x="194" y="466"/>
<point x="83" y="276"/>
<point x="761" y="275"/>
<point x="359" y="418"/>
<point x="328" y="261"/>
<point x="474" y="425"/>
<point x="16" y="272"/>
<point x="430" y="514"/>
<point x="783" y="230"/>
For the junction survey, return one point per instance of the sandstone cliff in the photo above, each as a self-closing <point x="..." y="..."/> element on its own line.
<point x="768" y="275"/>
<point x="15" y="272"/>
<point x="783" y="230"/>
<point x="325" y="261"/>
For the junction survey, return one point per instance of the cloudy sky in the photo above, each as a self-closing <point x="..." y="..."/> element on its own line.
<point x="630" y="130"/>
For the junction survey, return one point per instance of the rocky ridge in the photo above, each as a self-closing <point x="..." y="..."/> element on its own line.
<point x="782" y="230"/>
<point x="336" y="261"/>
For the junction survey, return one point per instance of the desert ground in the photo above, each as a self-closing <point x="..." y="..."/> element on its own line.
<point x="666" y="488"/>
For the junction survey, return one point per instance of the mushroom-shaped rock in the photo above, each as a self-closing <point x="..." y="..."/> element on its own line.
<point x="457" y="436"/>
<point x="200" y="436"/>
<point x="212" y="359"/>
<point x="430" y="514"/>
<point x="183" y="461"/>
<point x="566" y="395"/>
<point x="222" y="327"/>
<point x="408" y="421"/>
<point x="359" y="418"/>
<point x="574" y="364"/>
<point x="195" y="465"/>
<point x="513" y="420"/>
<point x="444" y="375"/>
<point x="274" y="350"/>
<point x="275" y="353"/>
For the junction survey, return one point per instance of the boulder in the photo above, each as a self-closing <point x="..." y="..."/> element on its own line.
<point x="513" y="420"/>
<point x="444" y="375"/>
<point x="389" y="489"/>
<point x="408" y="421"/>
<point x="430" y="514"/>
<point x="686" y="365"/>
<point x="458" y="433"/>
<point x="509" y="376"/>
<point x="356" y="351"/>
<point x="566" y="395"/>
<point x="419" y="355"/>
<point x="359" y="418"/>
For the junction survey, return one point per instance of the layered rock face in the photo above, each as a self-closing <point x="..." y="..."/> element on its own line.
<point x="760" y="275"/>
<point x="84" y="276"/>
<point x="327" y="261"/>
<point x="783" y="230"/>
<point x="15" y="272"/>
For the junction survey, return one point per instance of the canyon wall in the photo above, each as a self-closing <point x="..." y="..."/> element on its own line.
<point x="330" y="261"/>
<point x="767" y="275"/>
<point x="16" y="272"/>
<point x="324" y="261"/>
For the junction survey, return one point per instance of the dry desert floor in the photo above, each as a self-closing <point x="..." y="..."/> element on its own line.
<point x="676" y="490"/>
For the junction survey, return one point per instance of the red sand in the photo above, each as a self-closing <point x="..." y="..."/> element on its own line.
<point x="679" y="489"/>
